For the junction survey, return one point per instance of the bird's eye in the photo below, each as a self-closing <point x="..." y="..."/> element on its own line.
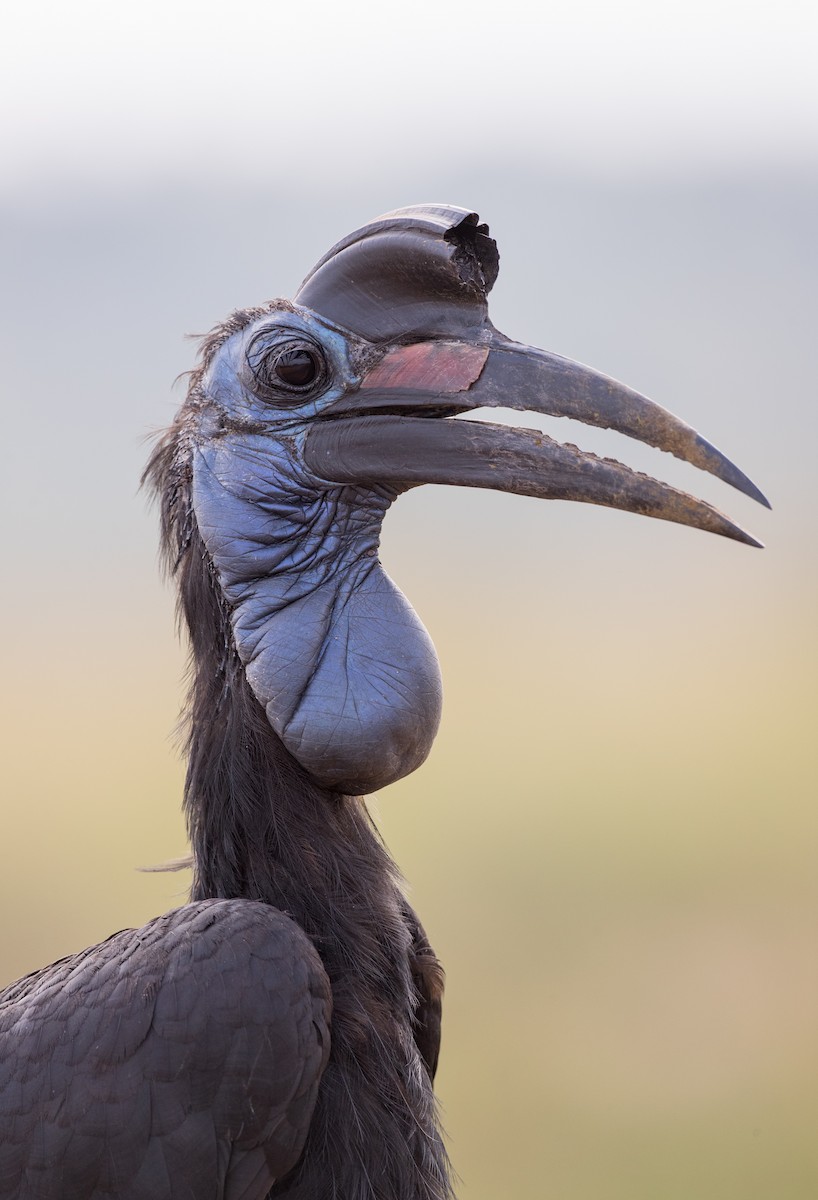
<point x="294" y="369"/>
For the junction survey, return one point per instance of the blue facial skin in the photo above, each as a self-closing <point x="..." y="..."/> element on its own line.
<point x="333" y="651"/>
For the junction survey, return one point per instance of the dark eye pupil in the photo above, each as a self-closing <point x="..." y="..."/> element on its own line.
<point x="296" y="367"/>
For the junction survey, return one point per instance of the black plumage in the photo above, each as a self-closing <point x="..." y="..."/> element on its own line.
<point x="165" y="1059"/>
<point x="280" y="1033"/>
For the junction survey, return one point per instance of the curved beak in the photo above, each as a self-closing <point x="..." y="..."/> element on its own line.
<point x="389" y="431"/>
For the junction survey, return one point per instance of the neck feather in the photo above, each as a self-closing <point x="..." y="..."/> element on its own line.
<point x="262" y="829"/>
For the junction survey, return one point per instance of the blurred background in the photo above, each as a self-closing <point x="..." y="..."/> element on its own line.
<point x="613" y="845"/>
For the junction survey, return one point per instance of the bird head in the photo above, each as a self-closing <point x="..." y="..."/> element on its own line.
<point x="307" y="418"/>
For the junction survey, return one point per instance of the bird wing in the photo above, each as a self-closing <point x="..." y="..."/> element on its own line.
<point x="181" y="1059"/>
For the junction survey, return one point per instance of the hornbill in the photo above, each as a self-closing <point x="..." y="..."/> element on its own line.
<point x="279" y="1033"/>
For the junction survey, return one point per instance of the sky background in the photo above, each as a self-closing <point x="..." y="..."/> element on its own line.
<point x="613" y="844"/>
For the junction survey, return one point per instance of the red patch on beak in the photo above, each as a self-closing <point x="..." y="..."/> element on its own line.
<point x="428" y="367"/>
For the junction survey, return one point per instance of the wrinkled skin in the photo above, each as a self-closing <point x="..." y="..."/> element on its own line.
<point x="345" y="670"/>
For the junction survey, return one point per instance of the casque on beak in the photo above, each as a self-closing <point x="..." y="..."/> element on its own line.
<point x="414" y="283"/>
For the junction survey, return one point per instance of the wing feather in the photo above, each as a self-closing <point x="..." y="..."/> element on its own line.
<point x="157" y="1062"/>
